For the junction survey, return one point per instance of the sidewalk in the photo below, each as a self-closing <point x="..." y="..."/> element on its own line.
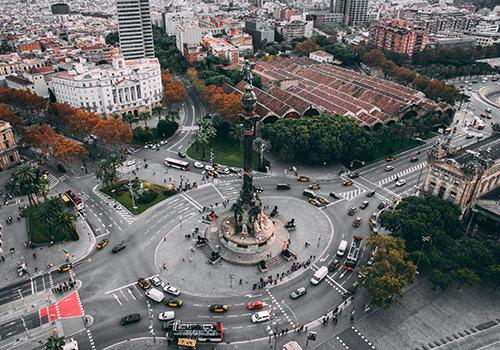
<point x="14" y="237"/>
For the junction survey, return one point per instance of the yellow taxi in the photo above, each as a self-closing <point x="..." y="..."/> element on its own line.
<point x="314" y="202"/>
<point x="219" y="308"/>
<point x="173" y="302"/>
<point x="390" y="158"/>
<point x="102" y="244"/>
<point x="143" y="283"/>
<point x="347" y="183"/>
<point x="303" y="178"/>
<point x="322" y="200"/>
<point x="65" y="267"/>
<point x="314" y="186"/>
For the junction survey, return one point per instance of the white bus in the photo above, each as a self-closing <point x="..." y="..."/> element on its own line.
<point x="177" y="163"/>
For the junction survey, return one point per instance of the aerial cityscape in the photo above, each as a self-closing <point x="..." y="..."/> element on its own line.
<point x="261" y="174"/>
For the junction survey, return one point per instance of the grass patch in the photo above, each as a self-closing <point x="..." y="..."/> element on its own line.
<point x="227" y="151"/>
<point x="387" y="149"/>
<point x="119" y="191"/>
<point x="39" y="234"/>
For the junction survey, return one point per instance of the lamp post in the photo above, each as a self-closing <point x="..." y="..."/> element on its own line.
<point x="131" y="192"/>
<point x="424" y="239"/>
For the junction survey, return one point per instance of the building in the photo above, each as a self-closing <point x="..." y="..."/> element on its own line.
<point x="355" y="12"/>
<point x="60" y="9"/>
<point x="188" y="35"/>
<point x="13" y="63"/>
<point x="220" y="48"/>
<point x="134" y="29"/>
<point x="9" y="155"/>
<point x="260" y="31"/>
<point x="451" y="43"/>
<point x="321" y="56"/>
<point x="125" y="86"/>
<point x="463" y="177"/>
<point x="29" y="47"/>
<point x="296" y="30"/>
<point x="484" y="39"/>
<point x="399" y="36"/>
<point x="173" y="19"/>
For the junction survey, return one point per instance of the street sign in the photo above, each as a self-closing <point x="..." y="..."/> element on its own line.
<point x="312" y="336"/>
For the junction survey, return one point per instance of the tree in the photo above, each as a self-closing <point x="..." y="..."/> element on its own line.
<point x="63" y="223"/>
<point x="106" y="171"/>
<point x="26" y="178"/>
<point x="494" y="275"/>
<point x="54" y="343"/>
<point x="112" y="38"/>
<point x="8" y="115"/>
<point x="113" y="132"/>
<point x="173" y="90"/>
<point x="440" y="279"/>
<point x="466" y="276"/>
<point x="58" y="114"/>
<point x="67" y="150"/>
<point x="306" y="47"/>
<point x="166" y="128"/>
<point x="156" y="110"/>
<point x="30" y="106"/>
<point x="390" y="272"/>
<point x="204" y="134"/>
<point x="145" y="116"/>
<point x="81" y="123"/>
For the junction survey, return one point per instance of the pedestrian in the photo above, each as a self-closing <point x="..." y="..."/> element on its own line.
<point x="164" y="266"/>
<point x="3" y="258"/>
<point x="190" y="260"/>
<point x="241" y="281"/>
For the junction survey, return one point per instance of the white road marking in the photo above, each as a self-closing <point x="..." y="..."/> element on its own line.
<point x="118" y="300"/>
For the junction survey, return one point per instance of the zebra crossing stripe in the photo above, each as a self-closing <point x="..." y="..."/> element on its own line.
<point x="402" y="173"/>
<point x="352" y="194"/>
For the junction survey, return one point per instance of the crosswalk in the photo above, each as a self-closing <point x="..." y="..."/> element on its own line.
<point x="229" y="190"/>
<point x="127" y="294"/>
<point x="189" y="128"/>
<point x="124" y="213"/>
<point x="349" y="195"/>
<point x="276" y="306"/>
<point x="402" y="173"/>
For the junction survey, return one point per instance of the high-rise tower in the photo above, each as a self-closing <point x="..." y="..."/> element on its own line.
<point x="134" y="28"/>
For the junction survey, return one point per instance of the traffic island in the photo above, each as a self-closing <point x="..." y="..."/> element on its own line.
<point x="145" y="194"/>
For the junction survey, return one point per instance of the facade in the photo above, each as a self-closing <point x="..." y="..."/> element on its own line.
<point x="13" y="63"/>
<point x="485" y="39"/>
<point x="173" y="19"/>
<point x="126" y="86"/>
<point x="321" y="56"/>
<point x="188" y="35"/>
<point x="9" y="155"/>
<point x="297" y="29"/>
<point x="398" y="36"/>
<point x="60" y="9"/>
<point x="19" y="83"/>
<point x="220" y="48"/>
<point x="355" y="12"/>
<point x="134" y="29"/>
<point x="464" y="176"/>
<point x="260" y="31"/>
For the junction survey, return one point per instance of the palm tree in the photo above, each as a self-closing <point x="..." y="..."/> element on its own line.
<point x="106" y="171"/>
<point x="145" y="116"/>
<point x="237" y="133"/>
<point x="54" y="343"/>
<point x="47" y="210"/>
<point x="157" y="111"/>
<point x="63" y="223"/>
<point x="26" y="177"/>
<point x="204" y="134"/>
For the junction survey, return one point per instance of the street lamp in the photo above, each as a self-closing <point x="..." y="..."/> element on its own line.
<point x="131" y="192"/>
<point x="424" y="239"/>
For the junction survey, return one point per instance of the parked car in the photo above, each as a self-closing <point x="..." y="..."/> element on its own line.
<point x="381" y="205"/>
<point x="143" y="283"/>
<point x="351" y="211"/>
<point x="156" y="281"/>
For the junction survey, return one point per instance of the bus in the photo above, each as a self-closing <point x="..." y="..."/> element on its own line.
<point x="201" y="332"/>
<point x="177" y="163"/>
<point x="71" y="199"/>
<point x="353" y="255"/>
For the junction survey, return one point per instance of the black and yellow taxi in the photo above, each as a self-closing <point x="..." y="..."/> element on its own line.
<point x="143" y="283"/>
<point x="322" y="200"/>
<point x="347" y="183"/>
<point x="390" y="158"/>
<point x="314" y="202"/>
<point x="65" y="267"/>
<point x="102" y="244"/>
<point x="219" y="308"/>
<point x="314" y="186"/>
<point x="303" y="178"/>
<point x="174" y="302"/>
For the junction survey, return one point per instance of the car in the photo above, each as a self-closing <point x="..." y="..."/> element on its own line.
<point x="219" y="308"/>
<point x="353" y="288"/>
<point x="414" y="159"/>
<point x="297" y="293"/>
<point x="171" y="290"/>
<point x="261" y="316"/>
<point x="400" y="183"/>
<point x="181" y="154"/>
<point x="209" y="168"/>
<point x="356" y="223"/>
<point x="371" y="194"/>
<point x="143" y="283"/>
<point x="314" y="186"/>
<point x="130" y="162"/>
<point x="173" y="302"/>
<point x="102" y="243"/>
<point x="258" y="189"/>
<point x="334" y="195"/>
<point x="223" y="171"/>
<point x="213" y="173"/>
<point x="314" y="202"/>
<point x="118" y="248"/>
<point x="353" y="175"/>
<point x="351" y="211"/>
<point x="303" y="178"/>
<point x="166" y="316"/>
<point x="347" y="183"/>
<point x="334" y="265"/>
<point x="255" y="305"/>
<point x="156" y="281"/>
<point x="364" y="204"/>
<point x="488" y="110"/>
<point x="283" y="186"/>
<point x="322" y="200"/>
<point x="198" y="165"/>
<point x="233" y="170"/>
<point x="479" y="136"/>
<point x="388" y="168"/>
<point x="132" y="318"/>
<point x="381" y="205"/>
<point x="65" y="267"/>
<point x="390" y="158"/>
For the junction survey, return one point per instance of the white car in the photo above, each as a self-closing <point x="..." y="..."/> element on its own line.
<point x="389" y="168"/>
<point x="171" y="290"/>
<point x="261" y="316"/>
<point x="224" y="171"/>
<point x="166" y="316"/>
<point x="209" y="168"/>
<point x="400" y="183"/>
<point x="130" y="162"/>
<point x="198" y="165"/>
<point x="155" y="281"/>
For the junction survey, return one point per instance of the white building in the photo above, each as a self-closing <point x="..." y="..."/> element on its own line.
<point x="188" y="34"/>
<point x="134" y="29"/>
<point x="126" y="86"/>
<point x="172" y="20"/>
<point x="321" y="56"/>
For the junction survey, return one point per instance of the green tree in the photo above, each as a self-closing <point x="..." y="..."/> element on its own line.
<point x="494" y="275"/>
<point x="54" y="343"/>
<point x="156" y="110"/>
<point x="26" y="179"/>
<point x="206" y="132"/>
<point x="390" y="272"/>
<point x="106" y="170"/>
<point x="166" y="128"/>
<point x="466" y="276"/>
<point x="440" y="279"/>
<point x="112" y="38"/>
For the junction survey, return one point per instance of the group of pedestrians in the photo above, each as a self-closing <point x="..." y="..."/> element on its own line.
<point x="64" y="286"/>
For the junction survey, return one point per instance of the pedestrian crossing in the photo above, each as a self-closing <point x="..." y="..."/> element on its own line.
<point x="124" y="213"/>
<point x="275" y="305"/>
<point x="402" y="173"/>
<point x="230" y="191"/>
<point x="349" y="195"/>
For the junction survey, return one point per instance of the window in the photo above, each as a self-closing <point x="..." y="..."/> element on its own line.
<point x="441" y="192"/>
<point x="452" y="197"/>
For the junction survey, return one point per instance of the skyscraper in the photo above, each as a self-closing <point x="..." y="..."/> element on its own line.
<point x="134" y="28"/>
<point x="355" y="12"/>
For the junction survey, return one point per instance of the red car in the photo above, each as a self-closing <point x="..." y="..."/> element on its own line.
<point x="255" y="305"/>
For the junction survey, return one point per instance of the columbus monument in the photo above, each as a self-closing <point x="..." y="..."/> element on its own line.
<point x="248" y="229"/>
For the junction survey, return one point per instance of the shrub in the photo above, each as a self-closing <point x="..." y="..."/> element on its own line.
<point x="147" y="196"/>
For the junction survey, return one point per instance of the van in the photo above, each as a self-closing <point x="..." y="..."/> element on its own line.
<point x="283" y="186"/>
<point x="342" y="248"/>
<point x="155" y="295"/>
<point x="309" y="193"/>
<point x="319" y="275"/>
<point x="292" y="345"/>
<point x="261" y="316"/>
